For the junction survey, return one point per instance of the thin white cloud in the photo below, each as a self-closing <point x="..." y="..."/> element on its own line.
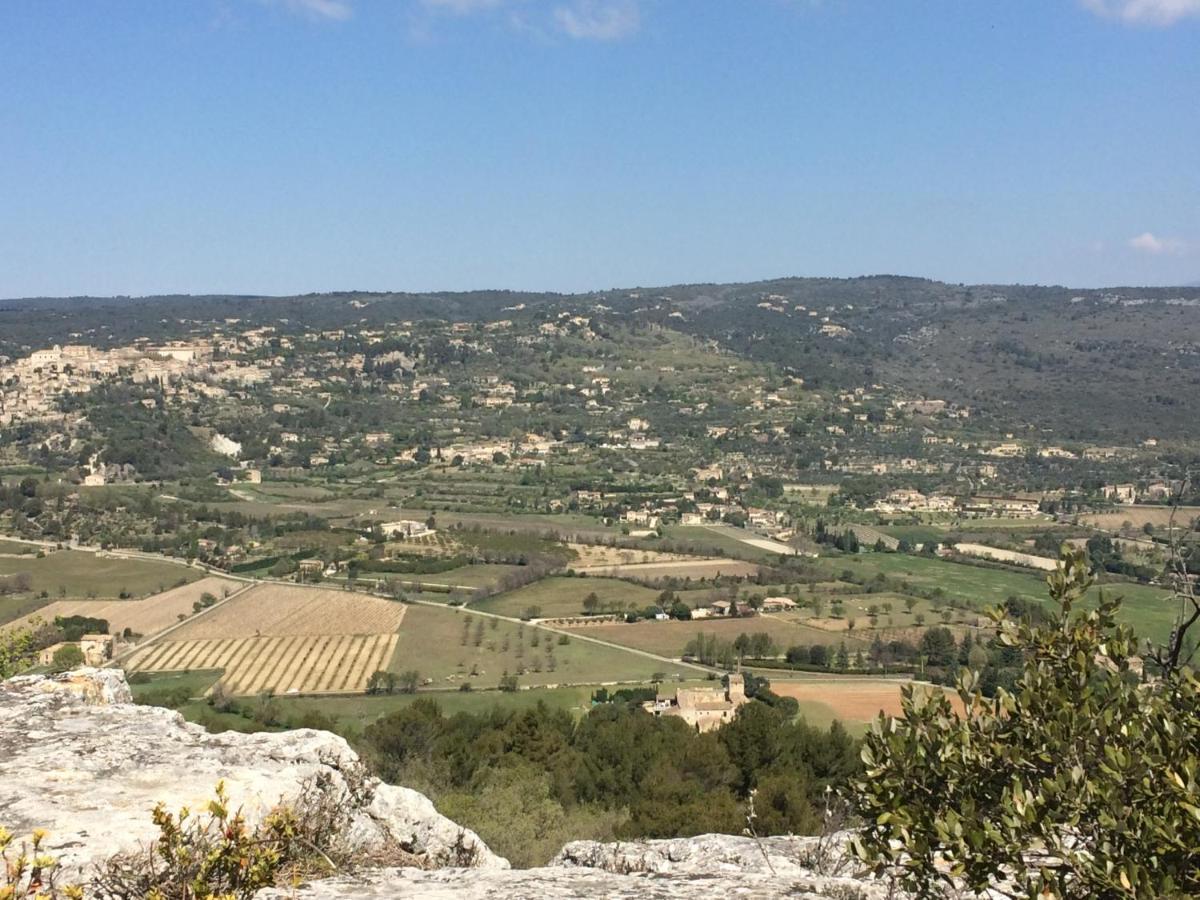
<point x="1147" y="242"/>
<point x="462" y="7"/>
<point x="598" y="20"/>
<point x="329" y="10"/>
<point x="1144" y="12"/>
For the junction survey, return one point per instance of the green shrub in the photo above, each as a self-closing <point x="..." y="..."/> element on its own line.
<point x="1082" y="781"/>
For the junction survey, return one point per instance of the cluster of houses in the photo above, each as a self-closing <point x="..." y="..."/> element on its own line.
<point x="31" y="387"/>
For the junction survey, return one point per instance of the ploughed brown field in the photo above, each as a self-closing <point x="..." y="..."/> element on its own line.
<point x="854" y="700"/>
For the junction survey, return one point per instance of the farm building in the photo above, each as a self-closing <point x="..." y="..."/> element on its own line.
<point x="703" y="708"/>
<point x="778" y="604"/>
<point x="96" y="648"/>
<point x="405" y="528"/>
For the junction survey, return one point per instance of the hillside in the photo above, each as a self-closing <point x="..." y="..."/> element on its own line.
<point x="1077" y="363"/>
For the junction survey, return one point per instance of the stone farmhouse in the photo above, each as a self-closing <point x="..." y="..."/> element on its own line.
<point x="703" y="708"/>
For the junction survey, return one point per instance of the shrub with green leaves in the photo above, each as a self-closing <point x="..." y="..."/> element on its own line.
<point x="1082" y="781"/>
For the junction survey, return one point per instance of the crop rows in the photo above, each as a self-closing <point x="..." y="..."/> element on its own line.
<point x="271" y="610"/>
<point x="288" y="663"/>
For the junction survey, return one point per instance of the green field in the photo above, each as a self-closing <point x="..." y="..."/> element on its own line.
<point x="77" y="574"/>
<point x="914" y="534"/>
<point x="359" y="712"/>
<point x="706" y="542"/>
<point x="1147" y="609"/>
<point x="564" y="597"/>
<point x="147" y="687"/>
<point x="18" y="548"/>
<point x="434" y="642"/>
<point x="14" y="607"/>
<point x="670" y="638"/>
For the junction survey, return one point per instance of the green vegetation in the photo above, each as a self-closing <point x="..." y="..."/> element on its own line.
<point x="453" y="647"/>
<point x="527" y="780"/>
<point x="1082" y="764"/>
<point x="79" y="574"/>
<point x="554" y="597"/>
<point x="1148" y="609"/>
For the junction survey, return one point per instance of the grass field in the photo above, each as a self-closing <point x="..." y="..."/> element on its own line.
<point x="146" y="617"/>
<point x="13" y="608"/>
<point x="669" y="638"/>
<point x="705" y="542"/>
<point x="362" y="711"/>
<point x="1137" y="516"/>
<point x="692" y="568"/>
<point x="77" y="573"/>
<point x="564" y="597"/>
<point x="441" y="643"/>
<point x="17" y="548"/>
<point x="145" y="686"/>
<point x="1147" y="609"/>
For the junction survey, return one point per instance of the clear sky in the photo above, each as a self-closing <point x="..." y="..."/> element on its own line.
<point x="279" y="146"/>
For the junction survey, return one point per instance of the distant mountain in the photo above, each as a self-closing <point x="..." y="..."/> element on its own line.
<point x="1113" y="364"/>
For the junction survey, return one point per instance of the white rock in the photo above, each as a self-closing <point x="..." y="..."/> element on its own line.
<point x="79" y="759"/>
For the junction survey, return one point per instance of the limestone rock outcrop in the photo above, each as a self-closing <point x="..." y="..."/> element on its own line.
<point x="81" y="760"/>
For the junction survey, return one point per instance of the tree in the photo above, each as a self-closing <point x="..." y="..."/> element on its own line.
<point x="409" y="680"/>
<point x="591" y="603"/>
<point x="68" y="656"/>
<point x="1080" y="782"/>
<point x="938" y="647"/>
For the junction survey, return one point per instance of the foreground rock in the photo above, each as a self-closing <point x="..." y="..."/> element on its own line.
<point x="80" y="759"/>
<point x="711" y="865"/>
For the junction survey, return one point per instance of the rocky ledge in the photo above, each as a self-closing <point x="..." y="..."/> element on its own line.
<point x="81" y="760"/>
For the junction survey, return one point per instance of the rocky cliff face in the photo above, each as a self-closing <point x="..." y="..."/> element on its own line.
<point x="79" y="759"/>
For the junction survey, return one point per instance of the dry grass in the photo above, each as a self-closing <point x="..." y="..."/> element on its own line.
<point x="148" y="616"/>
<point x="1137" y="516"/>
<point x="853" y="699"/>
<point x="281" y="610"/>
<point x="590" y="555"/>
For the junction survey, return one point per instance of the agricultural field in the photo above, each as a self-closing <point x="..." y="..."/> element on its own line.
<point x="705" y="541"/>
<point x="1148" y="609"/>
<point x="298" y="663"/>
<point x="598" y="555"/>
<point x="855" y="702"/>
<point x="358" y="712"/>
<point x="79" y="573"/>
<point x="562" y="596"/>
<point x="277" y="610"/>
<point x="670" y="638"/>
<point x="1138" y="516"/>
<point x="694" y="567"/>
<point x="17" y="548"/>
<point x="286" y="640"/>
<point x="447" y="645"/>
<point x="144" y="617"/>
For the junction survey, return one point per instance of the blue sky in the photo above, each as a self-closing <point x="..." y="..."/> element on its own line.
<point x="278" y="146"/>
